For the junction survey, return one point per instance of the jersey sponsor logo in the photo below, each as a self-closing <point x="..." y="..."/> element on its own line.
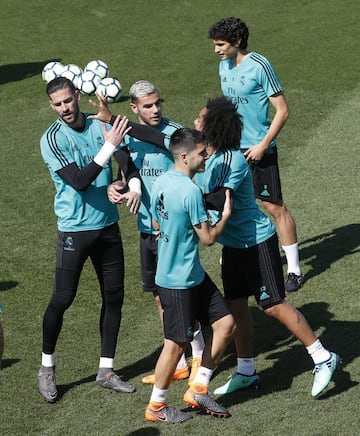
<point x="160" y="208"/>
<point x="164" y="236"/>
<point x="239" y="100"/>
<point x="151" y="172"/>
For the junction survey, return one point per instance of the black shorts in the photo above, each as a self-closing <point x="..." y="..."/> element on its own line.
<point x="254" y="271"/>
<point x="203" y="303"/>
<point x="148" y="261"/>
<point x="266" y="177"/>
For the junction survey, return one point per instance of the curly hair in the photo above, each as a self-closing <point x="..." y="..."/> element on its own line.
<point x="222" y="124"/>
<point x="230" y="29"/>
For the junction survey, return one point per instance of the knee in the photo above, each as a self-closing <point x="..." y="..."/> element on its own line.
<point x="272" y="311"/>
<point x="276" y="210"/>
<point x="225" y="326"/>
<point x="115" y="296"/>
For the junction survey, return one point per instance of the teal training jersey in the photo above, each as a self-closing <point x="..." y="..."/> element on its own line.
<point x="177" y="205"/>
<point x="151" y="162"/>
<point x="247" y="225"/>
<point x="78" y="210"/>
<point x="249" y="86"/>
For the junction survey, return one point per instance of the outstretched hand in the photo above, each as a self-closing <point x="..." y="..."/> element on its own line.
<point x="117" y="132"/>
<point x="104" y="114"/>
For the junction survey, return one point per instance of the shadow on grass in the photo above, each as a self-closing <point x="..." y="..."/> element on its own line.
<point x="270" y="335"/>
<point x="6" y="363"/>
<point x="17" y="72"/>
<point x="146" y="431"/>
<point x="5" y="286"/>
<point x="143" y="366"/>
<point x="321" y="251"/>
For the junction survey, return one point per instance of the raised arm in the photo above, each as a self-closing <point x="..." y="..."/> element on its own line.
<point x="81" y="178"/>
<point x="138" y="131"/>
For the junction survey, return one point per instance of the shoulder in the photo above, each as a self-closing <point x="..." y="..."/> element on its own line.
<point x="169" y="126"/>
<point x="53" y="132"/>
<point x="259" y="60"/>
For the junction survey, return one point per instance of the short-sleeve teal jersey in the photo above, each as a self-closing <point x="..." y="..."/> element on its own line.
<point x="78" y="210"/>
<point x="151" y="161"/>
<point x="177" y="205"/>
<point x="247" y="225"/>
<point x="249" y="86"/>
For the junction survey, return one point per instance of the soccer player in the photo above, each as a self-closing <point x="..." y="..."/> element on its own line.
<point x="251" y="263"/>
<point x="185" y="290"/>
<point x="77" y="151"/>
<point x="152" y="161"/>
<point x="250" y="81"/>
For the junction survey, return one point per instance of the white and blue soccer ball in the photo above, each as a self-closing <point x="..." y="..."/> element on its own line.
<point x="110" y="88"/>
<point x="88" y="82"/>
<point x="72" y="72"/>
<point x="98" y="67"/>
<point x="51" y="70"/>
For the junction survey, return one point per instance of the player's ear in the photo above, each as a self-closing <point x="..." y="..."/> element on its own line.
<point x="133" y="107"/>
<point x="237" y="43"/>
<point x="184" y="157"/>
<point x="77" y="94"/>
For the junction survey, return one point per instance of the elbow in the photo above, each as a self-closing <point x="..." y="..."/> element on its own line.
<point x="79" y="186"/>
<point x="286" y="114"/>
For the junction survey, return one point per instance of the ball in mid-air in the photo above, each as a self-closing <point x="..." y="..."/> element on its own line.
<point x="51" y="70"/>
<point x="72" y="72"/>
<point x="98" y="67"/>
<point x="110" y="88"/>
<point x="88" y="82"/>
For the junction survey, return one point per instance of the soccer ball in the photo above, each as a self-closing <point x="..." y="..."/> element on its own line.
<point x="98" y="67"/>
<point x="110" y="88"/>
<point x="51" y="70"/>
<point x="88" y="82"/>
<point x="72" y="72"/>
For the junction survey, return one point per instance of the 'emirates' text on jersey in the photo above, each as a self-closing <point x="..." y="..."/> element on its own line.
<point x="152" y="162"/>
<point x="249" y="86"/>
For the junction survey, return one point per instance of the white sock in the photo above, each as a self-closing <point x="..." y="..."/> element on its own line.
<point x="203" y="376"/>
<point x="182" y="362"/>
<point x="198" y="343"/>
<point x="292" y="258"/>
<point x="158" y="395"/>
<point x="318" y="353"/>
<point x="106" y="362"/>
<point x="48" y="360"/>
<point x="245" y="366"/>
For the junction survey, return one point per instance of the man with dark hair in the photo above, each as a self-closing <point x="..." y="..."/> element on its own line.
<point x="186" y="292"/>
<point x="250" y="81"/>
<point x="77" y="151"/>
<point x="251" y="263"/>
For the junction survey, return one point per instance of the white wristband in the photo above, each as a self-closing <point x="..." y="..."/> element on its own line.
<point x="104" y="154"/>
<point x="135" y="185"/>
